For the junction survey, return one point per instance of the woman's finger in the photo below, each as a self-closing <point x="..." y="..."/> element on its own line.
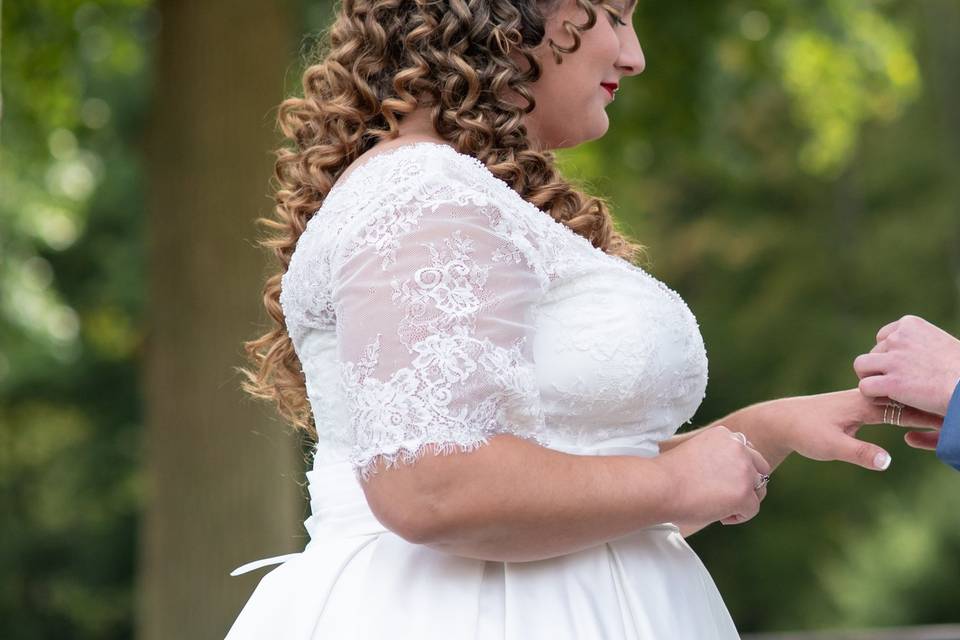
<point x="762" y="491"/>
<point x="759" y="462"/>
<point x="864" y="454"/>
<point x="916" y="418"/>
<point x="922" y="439"/>
<point x="885" y="412"/>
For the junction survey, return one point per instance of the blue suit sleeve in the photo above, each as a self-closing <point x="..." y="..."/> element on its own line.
<point x="948" y="447"/>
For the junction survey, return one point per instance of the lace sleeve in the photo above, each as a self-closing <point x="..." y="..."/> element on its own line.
<point x="433" y="311"/>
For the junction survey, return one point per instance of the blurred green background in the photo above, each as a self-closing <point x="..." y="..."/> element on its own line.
<point x="793" y="168"/>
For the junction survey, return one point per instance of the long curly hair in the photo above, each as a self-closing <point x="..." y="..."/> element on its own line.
<point x="383" y="59"/>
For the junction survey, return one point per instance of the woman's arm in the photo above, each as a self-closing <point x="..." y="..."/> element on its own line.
<point x="513" y="500"/>
<point x="820" y="427"/>
<point x="768" y="426"/>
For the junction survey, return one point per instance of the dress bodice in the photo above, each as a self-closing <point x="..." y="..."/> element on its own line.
<point x="430" y="304"/>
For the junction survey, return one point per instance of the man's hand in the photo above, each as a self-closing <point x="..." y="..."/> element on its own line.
<point x="914" y="363"/>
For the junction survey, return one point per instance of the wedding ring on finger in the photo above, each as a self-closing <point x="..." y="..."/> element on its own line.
<point x="736" y="435"/>
<point x="893" y="412"/>
<point x="762" y="482"/>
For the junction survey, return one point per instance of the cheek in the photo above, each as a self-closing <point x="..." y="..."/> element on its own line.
<point x="576" y="81"/>
<point x="601" y="44"/>
<point x="582" y="71"/>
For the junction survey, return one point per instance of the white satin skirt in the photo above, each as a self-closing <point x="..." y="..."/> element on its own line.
<point x="356" y="580"/>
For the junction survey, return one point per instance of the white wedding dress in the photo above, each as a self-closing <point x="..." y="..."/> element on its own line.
<point x="429" y="304"/>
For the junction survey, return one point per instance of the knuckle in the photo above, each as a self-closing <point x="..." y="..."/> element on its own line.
<point x="891" y="382"/>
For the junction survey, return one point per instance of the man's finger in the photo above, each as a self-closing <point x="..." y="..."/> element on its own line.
<point x="881" y="347"/>
<point x="922" y="439"/>
<point x="886" y="330"/>
<point x="871" y="364"/>
<point x="875" y="386"/>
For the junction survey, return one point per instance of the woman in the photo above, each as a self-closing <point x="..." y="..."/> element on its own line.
<point x="493" y="386"/>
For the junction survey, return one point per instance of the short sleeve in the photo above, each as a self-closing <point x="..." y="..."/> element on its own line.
<point x="434" y="308"/>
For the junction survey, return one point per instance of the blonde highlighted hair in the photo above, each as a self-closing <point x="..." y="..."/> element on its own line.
<point x="382" y="60"/>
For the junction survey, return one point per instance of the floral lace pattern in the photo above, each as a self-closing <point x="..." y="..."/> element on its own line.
<point x="395" y="419"/>
<point x="451" y="286"/>
<point x="453" y="310"/>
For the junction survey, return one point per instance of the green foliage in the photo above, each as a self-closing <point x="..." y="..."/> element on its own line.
<point x="901" y="568"/>
<point x="861" y="69"/>
<point x="71" y="294"/>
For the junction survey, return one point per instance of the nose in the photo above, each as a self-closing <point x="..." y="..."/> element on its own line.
<point x="631" y="61"/>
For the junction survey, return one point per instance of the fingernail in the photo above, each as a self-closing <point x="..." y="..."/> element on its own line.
<point x="882" y="461"/>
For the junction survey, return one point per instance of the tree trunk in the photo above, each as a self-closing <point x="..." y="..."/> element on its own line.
<point x="221" y="475"/>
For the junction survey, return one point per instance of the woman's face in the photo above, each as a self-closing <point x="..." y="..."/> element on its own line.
<point x="571" y="103"/>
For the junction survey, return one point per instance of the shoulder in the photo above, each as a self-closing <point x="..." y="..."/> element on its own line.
<point x="397" y="195"/>
<point x="402" y="190"/>
<point x="402" y="168"/>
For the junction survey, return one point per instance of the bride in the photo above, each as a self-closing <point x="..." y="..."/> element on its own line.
<point x="493" y="386"/>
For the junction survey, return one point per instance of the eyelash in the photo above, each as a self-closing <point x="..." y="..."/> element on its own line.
<point x="618" y="20"/>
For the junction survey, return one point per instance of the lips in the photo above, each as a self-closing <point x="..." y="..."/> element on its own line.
<point x="611" y="87"/>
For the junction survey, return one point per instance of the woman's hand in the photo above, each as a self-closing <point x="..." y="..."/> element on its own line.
<point x="716" y="477"/>
<point x="824" y="426"/>
<point x="820" y="427"/>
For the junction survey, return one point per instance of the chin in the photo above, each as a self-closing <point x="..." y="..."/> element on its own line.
<point x="598" y="130"/>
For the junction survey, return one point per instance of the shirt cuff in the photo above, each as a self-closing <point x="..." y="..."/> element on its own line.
<point x="948" y="446"/>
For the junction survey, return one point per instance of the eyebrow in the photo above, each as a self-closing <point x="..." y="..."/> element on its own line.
<point x="630" y="4"/>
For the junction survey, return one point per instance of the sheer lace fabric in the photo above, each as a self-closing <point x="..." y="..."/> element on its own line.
<point x="433" y="308"/>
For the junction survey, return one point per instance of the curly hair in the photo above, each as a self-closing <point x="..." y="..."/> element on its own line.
<point x="384" y="58"/>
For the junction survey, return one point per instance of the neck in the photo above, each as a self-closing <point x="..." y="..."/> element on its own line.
<point x="418" y="124"/>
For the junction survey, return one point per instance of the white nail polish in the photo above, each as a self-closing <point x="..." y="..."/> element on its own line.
<point x="882" y="461"/>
